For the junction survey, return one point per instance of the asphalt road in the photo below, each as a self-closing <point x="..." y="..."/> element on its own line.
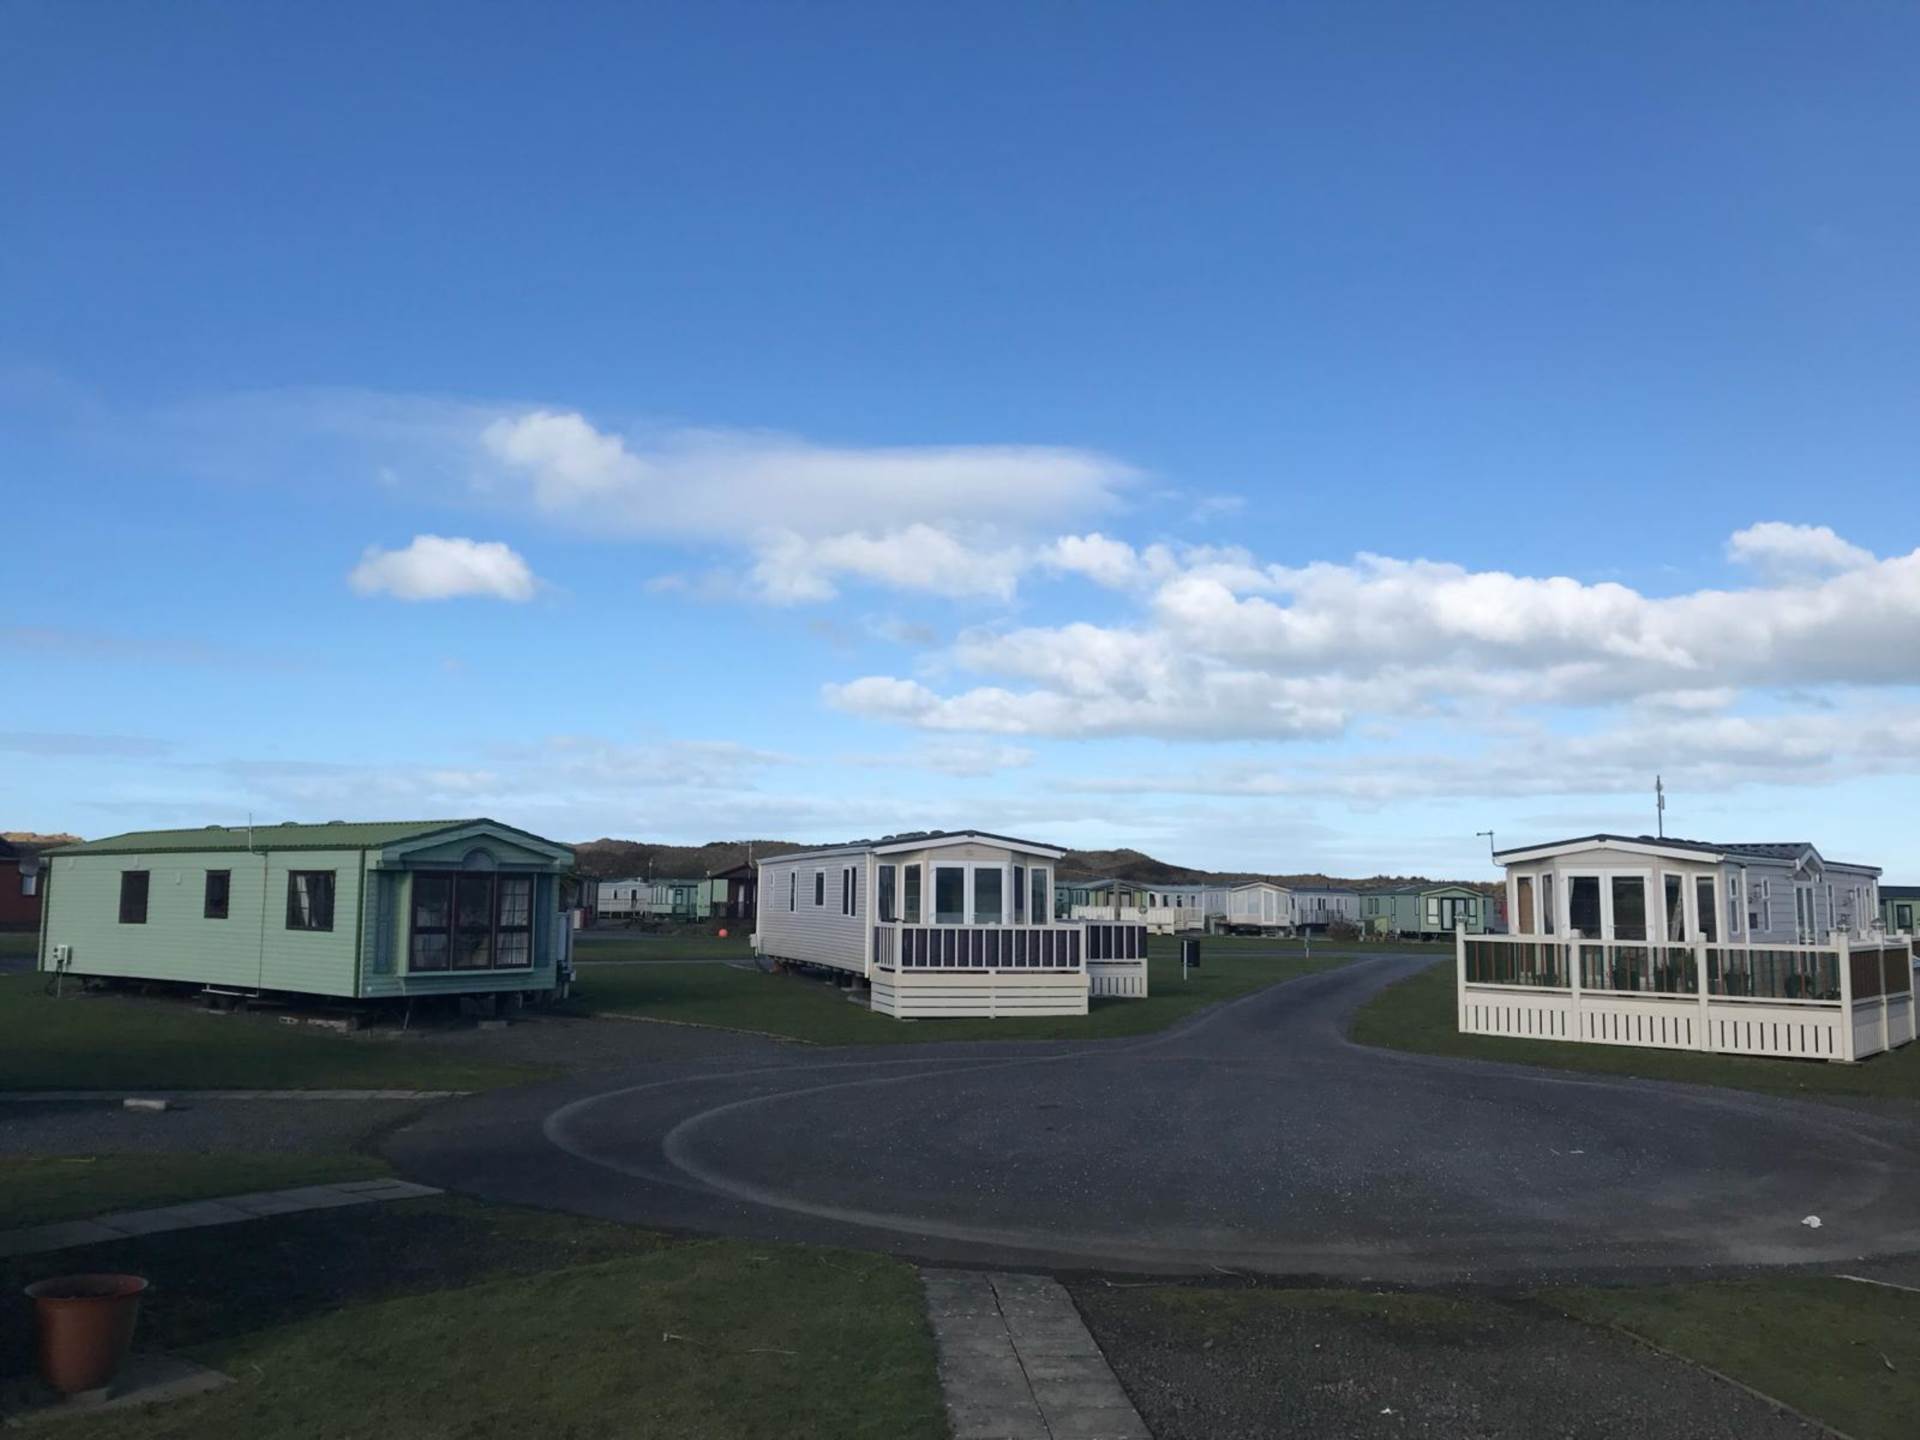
<point x="1253" y="1136"/>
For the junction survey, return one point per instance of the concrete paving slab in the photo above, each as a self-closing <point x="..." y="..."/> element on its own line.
<point x="971" y="1422"/>
<point x="39" y="1238"/>
<point x="193" y="1214"/>
<point x="188" y="1216"/>
<point x="264" y="1202"/>
<point x="146" y="1380"/>
<point x="1023" y="1366"/>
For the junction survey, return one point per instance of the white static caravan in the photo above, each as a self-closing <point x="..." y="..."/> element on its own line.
<point x="1756" y="949"/>
<point x="945" y="923"/>
<point x="1257" y="905"/>
<point x="622" y="899"/>
<point x="1318" y="907"/>
<point x="1163" y="909"/>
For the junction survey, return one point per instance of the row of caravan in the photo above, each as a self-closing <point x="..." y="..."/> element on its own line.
<point x="1265" y="907"/>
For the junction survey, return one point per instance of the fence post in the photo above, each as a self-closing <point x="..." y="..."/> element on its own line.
<point x="1913" y="1009"/>
<point x="1700" y="980"/>
<point x="1573" y="984"/>
<point x="1460" y="979"/>
<point x="1846" y="1004"/>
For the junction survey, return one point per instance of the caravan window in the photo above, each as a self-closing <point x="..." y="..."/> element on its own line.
<point x="1583" y="904"/>
<point x="888" y="909"/>
<point x="213" y="905"/>
<point x="432" y="931"/>
<point x="949" y="895"/>
<point x="1019" y="894"/>
<point x="910" y="894"/>
<point x="819" y="887"/>
<point x="310" y="900"/>
<point x="1042" y="888"/>
<point x="987" y="899"/>
<point x="1675" y="893"/>
<point x="133" y="897"/>
<point x="1629" y="907"/>
<point x="1709" y="912"/>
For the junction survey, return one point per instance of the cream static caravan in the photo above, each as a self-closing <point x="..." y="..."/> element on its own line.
<point x="945" y="923"/>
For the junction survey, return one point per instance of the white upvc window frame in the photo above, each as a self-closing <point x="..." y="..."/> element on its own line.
<point x="1655" y="902"/>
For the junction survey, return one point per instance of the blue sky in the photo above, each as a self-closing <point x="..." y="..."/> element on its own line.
<point x="1276" y="437"/>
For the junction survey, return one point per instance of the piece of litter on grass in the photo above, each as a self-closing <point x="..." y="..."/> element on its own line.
<point x="1812" y="1222"/>
<point x="1386" y="1410"/>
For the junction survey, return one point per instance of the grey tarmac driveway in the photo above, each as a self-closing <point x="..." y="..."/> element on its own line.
<point x="1252" y="1137"/>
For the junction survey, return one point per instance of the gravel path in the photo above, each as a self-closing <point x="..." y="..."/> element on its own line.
<point x="1339" y="1366"/>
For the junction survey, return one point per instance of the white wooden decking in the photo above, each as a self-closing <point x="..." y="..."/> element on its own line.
<point x="1850" y="998"/>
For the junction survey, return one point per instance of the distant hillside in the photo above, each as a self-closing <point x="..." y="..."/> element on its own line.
<point x="29" y="837"/>
<point x="622" y="859"/>
<point x="618" y="859"/>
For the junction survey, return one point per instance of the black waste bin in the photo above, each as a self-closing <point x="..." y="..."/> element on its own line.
<point x="1190" y="954"/>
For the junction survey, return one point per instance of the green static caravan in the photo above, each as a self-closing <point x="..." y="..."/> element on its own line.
<point x="1900" y="909"/>
<point x="397" y="909"/>
<point x="1424" y="910"/>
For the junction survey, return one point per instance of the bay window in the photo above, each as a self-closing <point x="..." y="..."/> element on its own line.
<point x="470" y="921"/>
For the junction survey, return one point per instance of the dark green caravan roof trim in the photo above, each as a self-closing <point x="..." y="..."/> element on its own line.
<point x="332" y="835"/>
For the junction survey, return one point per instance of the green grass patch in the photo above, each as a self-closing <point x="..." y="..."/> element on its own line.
<point x="621" y="944"/>
<point x="1420" y="1014"/>
<point x="35" y="1189"/>
<point x="444" y="1318"/>
<point x="107" y="1042"/>
<point x="806" y="1008"/>
<point x="1845" y="1353"/>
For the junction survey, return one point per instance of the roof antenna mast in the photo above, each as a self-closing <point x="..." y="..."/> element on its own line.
<point x="1660" y="806"/>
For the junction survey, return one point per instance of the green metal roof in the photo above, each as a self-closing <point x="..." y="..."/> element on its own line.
<point x="333" y="835"/>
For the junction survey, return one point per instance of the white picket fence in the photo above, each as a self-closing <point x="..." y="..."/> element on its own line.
<point x="1844" y="1000"/>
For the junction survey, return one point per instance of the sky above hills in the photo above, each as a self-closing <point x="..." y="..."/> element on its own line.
<point x="1278" y="437"/>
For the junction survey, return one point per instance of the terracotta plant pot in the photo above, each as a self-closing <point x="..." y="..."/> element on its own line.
<point x="86" y="1328"/>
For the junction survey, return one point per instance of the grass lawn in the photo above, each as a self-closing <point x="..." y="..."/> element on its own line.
<point x="106" y="1042"/>
<point x="35" y="1189"/>
<point x="614" y="943"/>
<point x="1419" y="1014"/>
<point x="1845" y="1353"/>
<point x="445" y="1318"/>
<point x="805" y="1008"/>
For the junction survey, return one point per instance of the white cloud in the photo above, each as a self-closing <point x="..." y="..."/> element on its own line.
<point x="438" y="567"/>
<point x="1791" y="552"/>
<point x="960" y="759"/>
<point x="954" y="521"/>
<point x="718" y="484"/>
<point x="1696" y="754"/>
<point x="791" y="568"/>
<point x="1226" y="648"/>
